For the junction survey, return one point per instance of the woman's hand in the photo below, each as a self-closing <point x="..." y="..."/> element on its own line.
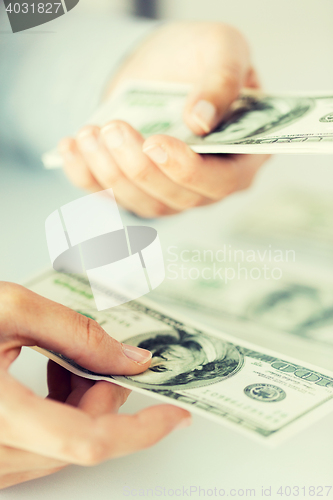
<point x="78" y="422"/>
<point x="162" y="175"/>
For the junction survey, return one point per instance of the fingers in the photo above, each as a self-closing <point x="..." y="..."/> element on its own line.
<point x="64" y="433"/>
<point x="211" y="176"/>
<point x="125" y="145"/>
<point x="207" y="104"/>
<point x="95" y="398"/>
<point x="13" y="460"/>
<point x="115" y="158"/>
<point x="252" y="80"/>
<point x="102" y="398"/>
<point x="141" y="430"/>
<point x="221" y="83"/>
<point x="58" y="382"/>
<point x="75" y="167"/>
<point x="92" y="156"/>
<point x="166" y="170"/>
<point x="29" y="319"/>
<point x="162" y="175"/>
<point x="133" y="433"/>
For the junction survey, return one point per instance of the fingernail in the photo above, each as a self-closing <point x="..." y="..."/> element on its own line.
<point x="186" y="422"/>
<point x="156" y="153"/>
<point x="88" y="141"/>
<point x="113" y="136"/>
<point x="136" y="354"/>
<point x="204" y="113"/>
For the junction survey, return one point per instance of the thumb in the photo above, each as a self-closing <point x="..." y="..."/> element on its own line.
<point x="211" y="98"/>
<point x="29" y="319"/>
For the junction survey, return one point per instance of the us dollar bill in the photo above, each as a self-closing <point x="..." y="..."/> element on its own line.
<point x="258" y="392"/>
<point x="256" y="122"/>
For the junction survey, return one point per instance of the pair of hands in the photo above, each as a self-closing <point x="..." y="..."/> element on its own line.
<point x="162" y="175"/>
<point x="77" y="423"/>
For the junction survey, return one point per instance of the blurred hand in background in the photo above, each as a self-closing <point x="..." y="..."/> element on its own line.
<point x="162" y="175"/>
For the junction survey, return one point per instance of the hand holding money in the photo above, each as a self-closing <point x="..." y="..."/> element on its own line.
<point x="162" y="175"/>
<point x="77" y="423"/>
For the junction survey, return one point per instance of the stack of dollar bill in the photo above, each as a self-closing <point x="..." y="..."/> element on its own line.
<point x="256" y="122"/>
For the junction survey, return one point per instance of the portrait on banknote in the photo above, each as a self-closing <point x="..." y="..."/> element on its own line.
<point x="182" y="360"/>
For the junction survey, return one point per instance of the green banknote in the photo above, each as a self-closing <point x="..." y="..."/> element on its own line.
<point x="253" y="390"/>
<point x="255" y="123"/>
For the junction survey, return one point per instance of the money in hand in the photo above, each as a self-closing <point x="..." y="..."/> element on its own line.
<point x="258" y="392"/>
<point x="256" y="122"/>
